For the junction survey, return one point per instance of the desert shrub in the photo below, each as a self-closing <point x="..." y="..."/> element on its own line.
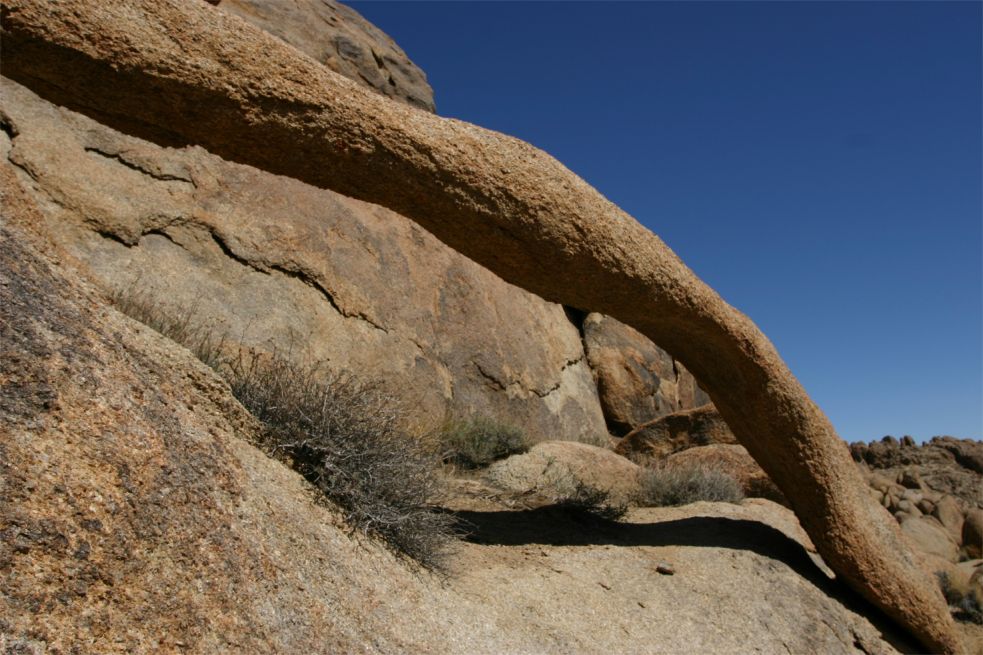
<point x="663" y="486"/>
<point x="966" y="606"/>
<point x="341" y="434"/>
<point x="178" y="323"/>
<point x="479" y="441"/>
<point x="592" y="501"/>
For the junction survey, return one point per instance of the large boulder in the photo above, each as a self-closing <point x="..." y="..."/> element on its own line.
<point x="930" y="537"/>
<point x="670" y="434"/>
<point x="557" y="469"/>
<point x="274" y="264"/>
<point x="637" y="381"/>
<point x="198" y="75"/>
<point x="340" y="38"/>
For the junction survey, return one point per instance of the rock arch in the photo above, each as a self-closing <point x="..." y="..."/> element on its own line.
<point x="183" y="72"/>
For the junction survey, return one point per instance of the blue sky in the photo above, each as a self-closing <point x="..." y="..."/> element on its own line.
<point x="818" y="164"/>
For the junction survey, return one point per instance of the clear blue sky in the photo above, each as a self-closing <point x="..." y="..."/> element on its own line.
<point x="819" y="164"/>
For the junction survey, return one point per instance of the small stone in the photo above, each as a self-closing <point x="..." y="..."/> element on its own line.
<point x="664" y="569"/>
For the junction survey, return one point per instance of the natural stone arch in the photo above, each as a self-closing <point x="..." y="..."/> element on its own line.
<point x="183" y="72"/>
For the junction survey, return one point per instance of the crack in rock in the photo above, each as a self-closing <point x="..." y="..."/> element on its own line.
<point x="157" y="175"/>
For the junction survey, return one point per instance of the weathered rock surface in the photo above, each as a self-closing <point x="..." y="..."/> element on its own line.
<point x="676" y="432"/>
<point x="930" y="537"/>
<point x="240" y="93"/>
<point x="340" y="38"/>
<point x="636" y="380"/>
<point x="944" y="464"/>
<point x="735" y="461"/>
<point x="280" y="265"/>
<point x="973" y="533"/>
<point x="137" y="519"/>
<point x="554" y="469"/>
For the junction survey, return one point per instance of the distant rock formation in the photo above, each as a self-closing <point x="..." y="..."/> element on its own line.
<point x="197" y="75"/>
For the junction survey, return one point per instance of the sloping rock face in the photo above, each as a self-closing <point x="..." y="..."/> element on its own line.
<point x="338" y="37"/>
<point x="637" y="381"/>
<point x="676" y="432"/>
<point x="136" y="518"/>
<point x="279" y="265"/>
<point x="183" y="73"/>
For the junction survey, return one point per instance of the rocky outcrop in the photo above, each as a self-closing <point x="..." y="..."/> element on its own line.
<point x="637" y="381"/>
<point x="273" y="264"/>
<point x="945" y="465"/>
<point x="186" y="72"/>
<point x="557" y="469"/>
<point x="676" y="432"/>
<point x="137" y="518"/>
<point x="340" y="38"/>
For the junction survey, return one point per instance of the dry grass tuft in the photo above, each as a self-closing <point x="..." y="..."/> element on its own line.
<point x="667" y="486"/>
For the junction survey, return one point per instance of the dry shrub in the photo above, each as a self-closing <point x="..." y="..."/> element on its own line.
<point x="667" y="486"/>
<point x="588" y="500"/>
<point x="479" y="441"/>
<point x="341" y="434"/>
<point x="964" y="603"/>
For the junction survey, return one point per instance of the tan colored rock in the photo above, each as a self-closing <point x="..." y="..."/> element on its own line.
<point x="136" y="519"/>
<point x="676" y="432"/>
<point x="950" y="515"/>
<point x="279" y="265"/>
<point x="930" y="537"/>
<point x="186" y="72"/>
<point x="554" y="469"/>
<point x="973" y="533"/>
<point x="637" y="381"/>
<point x="340" y="38"/>
<point x="735" y="461"/>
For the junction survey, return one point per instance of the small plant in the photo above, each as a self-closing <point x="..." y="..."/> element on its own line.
<point x="594" y="502"/>
<point x="965" y="604"/>
<point x="666" y="486"/>
<point x="479" y="441"/>
<point x="342" y="435"/>
<point x="179" y="324"/>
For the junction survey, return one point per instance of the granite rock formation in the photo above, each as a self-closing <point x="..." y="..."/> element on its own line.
<point x="637" y="381"/>
<point x="339" y="37"/>
<point x="137" y="518"/>
<point x="214" y="81"/>
<point x="658" y="439"/>
<point x="278" y="265"/>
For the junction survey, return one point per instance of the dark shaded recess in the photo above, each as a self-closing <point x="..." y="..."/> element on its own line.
<point x="560" y="526"/>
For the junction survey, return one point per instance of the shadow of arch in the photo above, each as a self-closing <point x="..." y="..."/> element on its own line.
<point x="562" y="526"/>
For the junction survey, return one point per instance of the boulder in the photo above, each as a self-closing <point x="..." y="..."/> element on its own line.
<point x="227" y="86"/>
<point x="273" y="264"/>
<point x="930" y="537"/>
<point x="950" y="515"/>
<point x="340" y="38"/>
<point x="735" y="461"/>
<point x="662" y="437"/>
<point x="973" y="533"/>
<point x="555" y="470"/>
<point x="637" y="381"/>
